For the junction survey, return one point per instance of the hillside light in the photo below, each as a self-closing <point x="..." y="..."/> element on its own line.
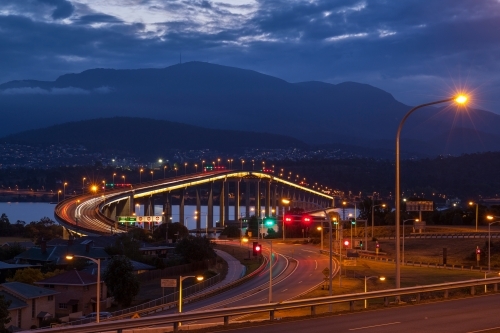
<point x="460" y="99"/>
<point x="98" y="295"/>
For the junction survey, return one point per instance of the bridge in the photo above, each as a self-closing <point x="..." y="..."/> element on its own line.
<point x="98" y="213"/>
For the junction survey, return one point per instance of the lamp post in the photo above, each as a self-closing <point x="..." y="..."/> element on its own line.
<point x="416" y="220"/>
<point x="477" y="211"/>
<point x="242" y="163"/>
<point x="98" y="296"/>
<point x="164" y="169"/>
<point x="381" y="278"/>
<point x="321" y="229"/>
<point x="123" y="180"/>
<point x="83" y="185"/>
<point x="489" y="217"/>
<point x="58" y="192"/>
<point x="114" y="174"/>
<point x="182" y="278"/>
<point x="270" y="241"/>
<point x="140" y="175"/>
<point x="286" y="202"/>
<point x="64" y="190"/>
<point x="459" y="99"/>
<point x="373" y="217"/>
<point x="152" y="175"/>
<point x="330" y="277"/>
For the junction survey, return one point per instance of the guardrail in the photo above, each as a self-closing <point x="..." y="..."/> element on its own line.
<point x="271" y="308"/>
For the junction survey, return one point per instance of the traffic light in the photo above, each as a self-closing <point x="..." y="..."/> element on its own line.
<point x="288" y="219"/>
<point x="269" y="221"/>
<point x="353" y="220"/>
<point x="346" y="243"/>
<point x="306" y="219"/>
<point x="256" y="249"/>
<point x="361" y="244"/>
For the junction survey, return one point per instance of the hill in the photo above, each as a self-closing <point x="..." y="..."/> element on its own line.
<point x="149" y="138"/>
<point x="221" y="97"/>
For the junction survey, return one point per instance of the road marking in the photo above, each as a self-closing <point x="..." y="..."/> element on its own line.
<point x="362" y="328"/>
<point x="316" y="262"/>
<point x="300" y="281"/>
<point x="309" y="251"/>
<point x="284" y="290"/>
<point x="485" y="330"/>
<point x="260" y="300"/>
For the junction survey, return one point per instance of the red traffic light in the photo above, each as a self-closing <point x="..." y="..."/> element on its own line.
<point x="306" y="219"/>
<point x="257" y="248"/>
<point x="288" y="218"/>
<point x="478" y="250"/>
<point x="346" y="243"/>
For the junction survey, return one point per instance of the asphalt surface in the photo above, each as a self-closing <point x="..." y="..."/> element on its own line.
<point x="471" y="315"/>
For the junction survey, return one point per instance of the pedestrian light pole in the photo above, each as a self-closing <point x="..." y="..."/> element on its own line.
<point x="373" y="217"/>
<point x="477" y="211"/>
<point x="490" y="218"/>
<point x="182" y="278"/>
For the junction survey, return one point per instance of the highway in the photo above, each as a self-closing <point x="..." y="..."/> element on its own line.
<point x="471" y="315"/>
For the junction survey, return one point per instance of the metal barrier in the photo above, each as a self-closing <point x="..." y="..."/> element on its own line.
<point x="271" y="308"/>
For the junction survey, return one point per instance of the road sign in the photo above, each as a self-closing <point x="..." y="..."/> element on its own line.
<point x="127" y="219"/>
<point x="135" y="316"/>
<point x="149" y="219"/>
<point x="168" y="283"/>
<point x="419" y="206"/>
<point x="349" y="262"/>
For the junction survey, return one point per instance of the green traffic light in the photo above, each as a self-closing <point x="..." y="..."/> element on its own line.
<point x="269" y="221"/>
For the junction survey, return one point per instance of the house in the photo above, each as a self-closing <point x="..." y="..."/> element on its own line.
<point x="7" y="269"/>
<point x="56" y="254"/>
<point x="30" y="306"/>
<point x="76" y="292"/>
<point x="26" y="245"/>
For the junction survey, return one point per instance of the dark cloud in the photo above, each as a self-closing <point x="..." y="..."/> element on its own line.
<point x="412" y="49"/>
<point x="63" y="8"/>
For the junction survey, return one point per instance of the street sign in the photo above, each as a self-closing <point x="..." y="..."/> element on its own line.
<point x="168" y="283"/>
<point x="349" y="262"/>
<point x="149" y="219"/>
<point x="419" y="206"/>
<point x="127" y="219"/>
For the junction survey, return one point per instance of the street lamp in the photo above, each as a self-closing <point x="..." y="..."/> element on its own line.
<point x="152" y="175"/>
<point x="373" y="216"/>
<point x="458" y="99"/>
<point x="114" y="174"/>
<point x="416" y="220"/>
<point x="98" y="296"/>
<point x="477" y="211"/>
<point x="381" y="278"/>
<point x="123" y="180"/>
<point x="242" y="163"/>
<point x="64" y="191"/>
<point x="140" y="175"/>
<point x="164" y="169"/>
<point x="83" y="185"/>
<point x="185" y="168"/>
<point x="286" y="202"/>
<point x="58" y="192"/>
<point x="182" y="278"/>
<point x="489" y="217"/>
<point x="321" y="229"/>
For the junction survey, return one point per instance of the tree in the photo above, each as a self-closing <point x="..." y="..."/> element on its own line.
<point x="4" y="313"/>
<point x="31" y="275"/>
<point x="195" y="248"/>
<point x="121" y="281"/>
<point x="175" y="230"/>
<point x="231" y="231"/>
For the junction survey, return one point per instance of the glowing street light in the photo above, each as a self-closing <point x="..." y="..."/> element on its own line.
<point x="140" y="175"/>
<point x="182" y="278"/>
<point x="381" y="278"/>
<point x="83" y="185"/>
<point x="64" y="191"/>
<point x="491" y="218"/>
<point x="98" y="262"/>
<point x="461" y="99"/>
<point x="373" y="216"/>
<point x="477" y="211"/>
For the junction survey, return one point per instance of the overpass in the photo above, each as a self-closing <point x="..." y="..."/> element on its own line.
<point x="98" y="213"/>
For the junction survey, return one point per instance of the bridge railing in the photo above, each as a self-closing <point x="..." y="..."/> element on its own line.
<point x="271" y="308"/>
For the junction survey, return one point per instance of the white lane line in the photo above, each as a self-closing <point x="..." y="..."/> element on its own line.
<point x="488" y="329"/>
<point x="362" y="328"/>
<point x="260" y="300"/>
<point x="316" y="262"/>
<point x="284" y="290"/>
<point x="309" y="251"/>
<point x="300" y="281"/>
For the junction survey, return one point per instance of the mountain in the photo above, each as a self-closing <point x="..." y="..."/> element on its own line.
<point x="148" y="138"/>
<point x="221" y="97"/>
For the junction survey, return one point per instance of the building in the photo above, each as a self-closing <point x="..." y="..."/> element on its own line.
<point x="76" y="292"/>
<point x="30" y="306"/>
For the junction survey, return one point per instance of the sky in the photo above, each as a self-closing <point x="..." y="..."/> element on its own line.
<point x="417" y="50"/>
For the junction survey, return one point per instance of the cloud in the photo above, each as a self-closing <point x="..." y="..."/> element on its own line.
<point x="55" y="91"/>
<point x="410" y="48"/>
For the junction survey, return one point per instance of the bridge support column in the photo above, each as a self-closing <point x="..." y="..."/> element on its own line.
<point x="198" y="209"/>
<point x="221" y="205"/>
<point x="126" y="207"/>
<point x="226" y="201"/>
<point x="247" y="198"/>
<point x="237" y="201"/>
<point x="210" y="206"/>
<point x="268" y="198"/>
<point x="226" y="320"/>
<point x="181" y="206"/>
<point x="257" y="200"/>
<point x="271" y="315"/>
<point x="167" y="207"/>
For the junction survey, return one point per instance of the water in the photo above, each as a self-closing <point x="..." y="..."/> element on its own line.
<point x="27" y="211"/>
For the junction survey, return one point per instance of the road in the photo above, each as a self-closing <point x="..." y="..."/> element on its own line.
<point x="471" y="315"/>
